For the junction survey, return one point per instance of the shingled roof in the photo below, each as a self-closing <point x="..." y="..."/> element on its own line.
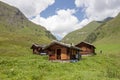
<point x="85" y="43"/>
<point x="37" y="45"/>
<point x="62" y="44"/>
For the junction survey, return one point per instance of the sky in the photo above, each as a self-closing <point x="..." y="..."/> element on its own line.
<point x="63" y="16"/>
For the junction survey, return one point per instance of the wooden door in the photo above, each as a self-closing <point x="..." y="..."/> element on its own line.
<point x="58" y="53"/>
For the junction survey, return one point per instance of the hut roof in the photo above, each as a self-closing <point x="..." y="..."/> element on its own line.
<point x="62" y="44"/>
<point x="85" y="43"/>
<point x="37" y="45"/>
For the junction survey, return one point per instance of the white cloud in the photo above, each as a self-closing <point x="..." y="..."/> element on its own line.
<point x="82" y="23"/>
<point x="60" y="24"/>
<point x="30" y="7"/>
<point x="99" y="9"/>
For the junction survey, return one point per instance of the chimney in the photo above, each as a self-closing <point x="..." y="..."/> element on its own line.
<point x="72" y="44"/>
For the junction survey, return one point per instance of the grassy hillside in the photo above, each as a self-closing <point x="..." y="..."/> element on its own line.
<point x="17" y="33"/>
<point x="107" y="36"/>
<point x="81" y="34"/>
<point x="108" y="29"/>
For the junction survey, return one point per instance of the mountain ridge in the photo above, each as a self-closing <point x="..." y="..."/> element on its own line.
<point x="86" y="37"/>
<point x="109" y="29"/>
<point x="18" y="33"/>
<point x="11" y="19"/>
<point x="80" y="34"/>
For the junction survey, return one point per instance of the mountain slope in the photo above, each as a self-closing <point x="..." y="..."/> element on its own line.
<point x="107" y="36"/>
<point x="81" y="34"/>
<point x="17" y="32"/>
<point x="108" y="29"/>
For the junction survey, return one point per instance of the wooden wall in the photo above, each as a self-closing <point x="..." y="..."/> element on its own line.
<point x="86" y="49"/>
<point x="53" y="52"/>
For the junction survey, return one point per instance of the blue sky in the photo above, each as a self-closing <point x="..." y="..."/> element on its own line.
<point x="63" y="16"/>
<point x="58" y="5"/>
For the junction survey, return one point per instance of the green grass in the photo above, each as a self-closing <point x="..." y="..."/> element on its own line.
<point x="34" y="67"/>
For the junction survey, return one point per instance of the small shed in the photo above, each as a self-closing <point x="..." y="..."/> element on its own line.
<point x="86" y="48"/>
<point x="61" y="51"/>
<point x="37" y="49"/>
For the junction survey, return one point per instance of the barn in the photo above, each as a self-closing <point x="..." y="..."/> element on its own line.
<point x="37" y="49"/>
<point x="61" y="51"/>
<point x="86" y="48"/>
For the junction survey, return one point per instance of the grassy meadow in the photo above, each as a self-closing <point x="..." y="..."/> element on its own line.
<point x="20" y="64"/>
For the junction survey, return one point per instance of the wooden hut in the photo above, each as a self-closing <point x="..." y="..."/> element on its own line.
<point x="61" y="51"/>
<point x="37" y="49"/>
<point x="86" y="48"/>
